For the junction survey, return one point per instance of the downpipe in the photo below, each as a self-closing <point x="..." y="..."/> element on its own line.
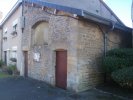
<point x="106" y="38"/>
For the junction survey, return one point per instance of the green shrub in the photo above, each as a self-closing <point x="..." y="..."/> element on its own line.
<point x="121" y="53"/>
<point x="1" y="63"/>
<point x="124" y="77"/>
<point x="118" y="59"/>
<point x="11" y="69"/>
<point x="111" y="64"/>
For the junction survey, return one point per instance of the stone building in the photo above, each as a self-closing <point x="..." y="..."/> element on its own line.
<point x="63" y="41"/>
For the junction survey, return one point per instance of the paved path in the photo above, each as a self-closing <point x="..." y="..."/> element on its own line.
<point x="28" y="89"/>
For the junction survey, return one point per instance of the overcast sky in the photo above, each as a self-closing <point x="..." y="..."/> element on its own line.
<point x="122" y="8"/>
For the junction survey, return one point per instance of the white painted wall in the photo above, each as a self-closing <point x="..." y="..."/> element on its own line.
<point x="13" y="43"/>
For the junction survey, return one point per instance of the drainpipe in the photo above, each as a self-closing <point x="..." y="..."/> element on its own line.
<point x="22" y="30"/>
<point x="106" y="42"/>
<point x="106" y="38"/>
<point x="22" y="26"/>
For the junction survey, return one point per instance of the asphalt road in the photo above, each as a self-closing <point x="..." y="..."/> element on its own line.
<point x="29" y="89"/>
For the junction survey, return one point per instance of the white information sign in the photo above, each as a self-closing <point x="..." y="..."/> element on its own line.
<point x="36" y="57"/>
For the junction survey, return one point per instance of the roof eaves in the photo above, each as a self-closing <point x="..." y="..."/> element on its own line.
<point x="56" y="6"/>
<point x="18" y="3"/>
<point x="79" y="12"/>
<point x="123" y="27"/>
<point x="105" y="21"/>
<point x="85" y="14"/>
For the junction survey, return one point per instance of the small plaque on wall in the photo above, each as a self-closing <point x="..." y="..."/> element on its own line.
<point x="36" y="56"/>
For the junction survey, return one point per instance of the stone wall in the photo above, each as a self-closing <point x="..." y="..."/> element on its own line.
<point x="83" y="41"/>
<point x="62" y="35"/>
<point x="90" y="51"/>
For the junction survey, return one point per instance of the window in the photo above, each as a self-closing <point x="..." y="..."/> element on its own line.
<point x="15" y="27"/>
<point x="5" y="31"/>
<point x="5" y="38"/>
<point x="14" y="32"/>
<point x="14" y="54"/>
<point x="5" y="34"/>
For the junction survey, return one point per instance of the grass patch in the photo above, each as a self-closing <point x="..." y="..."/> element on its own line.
<point x="3" y="75"/>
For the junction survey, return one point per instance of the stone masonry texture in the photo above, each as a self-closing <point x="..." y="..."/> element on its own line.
<point x="82" y="39"/>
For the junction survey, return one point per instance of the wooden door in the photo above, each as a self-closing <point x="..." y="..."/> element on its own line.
<point x="25" y="63"/>
<point x="61" y="69"/>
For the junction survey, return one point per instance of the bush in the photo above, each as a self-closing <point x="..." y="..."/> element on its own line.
<point x="1" y="63"/>
<point x="121" y="53"/>
<point x="124" y="77"/>
<point x="111" y="64"/>
<point x="11" y="69"/>
<point x="118" y="59"/>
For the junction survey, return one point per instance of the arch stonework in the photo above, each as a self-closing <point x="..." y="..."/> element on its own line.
<point x="30" y="21"/>
<point x="39" y="19"/>
<point x="84" y="44"/>
<point x="60" y="37"/>
<point x="34" y="22"/>
<point x="45" y="69"/>
<point x="40" y="32"/>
